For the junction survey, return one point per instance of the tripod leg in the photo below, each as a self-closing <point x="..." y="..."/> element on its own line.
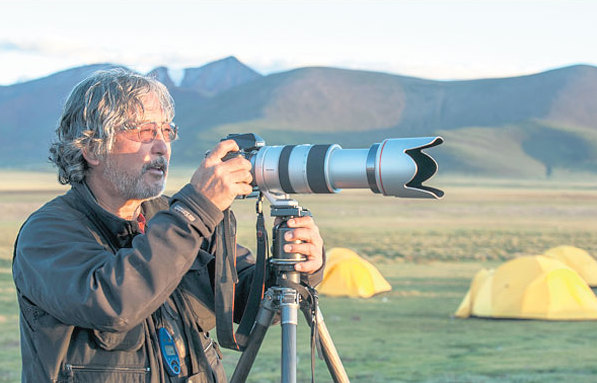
<point x="330" y="355"/>
<point x="263" y="320"/>
<point x="289" y="312"/>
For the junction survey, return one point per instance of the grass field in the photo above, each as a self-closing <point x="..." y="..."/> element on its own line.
<point x="428" y="251"/>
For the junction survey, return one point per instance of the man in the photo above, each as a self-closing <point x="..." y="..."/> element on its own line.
<point x="110" y="267"/>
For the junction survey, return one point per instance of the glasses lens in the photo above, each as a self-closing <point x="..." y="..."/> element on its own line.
<point x="169" y="131"/>
<point x="147" y="132"/>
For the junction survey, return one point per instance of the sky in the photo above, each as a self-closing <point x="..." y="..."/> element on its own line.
<point x="442" y="40"/>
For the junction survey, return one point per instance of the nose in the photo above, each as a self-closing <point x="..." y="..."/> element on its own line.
<point x="159" y="145"/>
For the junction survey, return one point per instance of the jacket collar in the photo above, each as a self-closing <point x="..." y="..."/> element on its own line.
<point x="120" y="230"/>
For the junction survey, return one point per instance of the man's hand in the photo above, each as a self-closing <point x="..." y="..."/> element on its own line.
<point x="305" y="230"/>
<point x="221" y="181"/>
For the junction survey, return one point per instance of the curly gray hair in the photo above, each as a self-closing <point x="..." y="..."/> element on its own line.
<point x="96" y="107"/>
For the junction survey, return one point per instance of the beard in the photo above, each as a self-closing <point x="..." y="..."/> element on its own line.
<point x="133" y="184"/>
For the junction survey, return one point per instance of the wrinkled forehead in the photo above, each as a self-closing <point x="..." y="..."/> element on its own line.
<point x="149" y="106"/>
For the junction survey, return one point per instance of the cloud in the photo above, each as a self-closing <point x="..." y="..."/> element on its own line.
<point x="48" y="47"/>
<point x="19" y="46"/>
<point x="9" y="46"/>
<point x="24" y="60"/>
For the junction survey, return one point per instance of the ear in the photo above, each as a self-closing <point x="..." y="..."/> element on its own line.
<point x="91" y="158"/>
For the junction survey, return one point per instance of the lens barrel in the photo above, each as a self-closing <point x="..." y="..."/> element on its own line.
<point x="396" y="167"/>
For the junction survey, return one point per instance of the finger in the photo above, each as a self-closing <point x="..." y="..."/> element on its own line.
<point x="237" y="163"/>
<point x="243" y="189"/>
<point x="312" y="264"/>
<point x="302" y="234"/>
<point x="301" y="222"/>
<point x="308" y="266"/>
<point x="222" y="149"/>
<point x="305" y="248"/>
<point x="237" y="182"/>
<point x="234" y="170"/>
<point x="242" y="178"/>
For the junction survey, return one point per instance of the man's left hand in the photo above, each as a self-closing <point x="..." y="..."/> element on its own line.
<point x="305" y="230"/>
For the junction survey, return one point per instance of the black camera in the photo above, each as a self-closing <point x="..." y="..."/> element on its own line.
<point x="249" y="144"/>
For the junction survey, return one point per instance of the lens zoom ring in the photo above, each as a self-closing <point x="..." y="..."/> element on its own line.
<point x="316" y="169"/>
<point x="283" y="169"/>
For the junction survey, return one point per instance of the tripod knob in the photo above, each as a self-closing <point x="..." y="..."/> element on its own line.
<point x="279" y="256"/>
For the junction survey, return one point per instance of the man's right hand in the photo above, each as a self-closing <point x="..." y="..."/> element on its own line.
<point x="221" y="181"/>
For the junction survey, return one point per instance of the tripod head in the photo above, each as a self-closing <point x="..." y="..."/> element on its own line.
<point x="281" y="262"/>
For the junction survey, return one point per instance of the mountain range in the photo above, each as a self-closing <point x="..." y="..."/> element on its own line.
<point x="528" y="126"/>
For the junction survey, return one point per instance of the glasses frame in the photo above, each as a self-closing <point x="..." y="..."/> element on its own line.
<point x="138" y="128"/>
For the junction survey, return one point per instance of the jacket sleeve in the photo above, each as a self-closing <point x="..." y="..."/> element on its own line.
<point x="61" y="267"/>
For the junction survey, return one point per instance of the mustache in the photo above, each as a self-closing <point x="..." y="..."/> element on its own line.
<point x="160" y="163"/>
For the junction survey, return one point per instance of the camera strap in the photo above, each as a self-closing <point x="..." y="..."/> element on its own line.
<point x="259" y="276"/>
<point x="226" y="279"/>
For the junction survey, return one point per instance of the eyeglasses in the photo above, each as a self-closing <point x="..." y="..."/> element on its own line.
<point x="148" y="131"/>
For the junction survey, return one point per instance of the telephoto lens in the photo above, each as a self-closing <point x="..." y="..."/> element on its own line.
<point x="395" y="167"/>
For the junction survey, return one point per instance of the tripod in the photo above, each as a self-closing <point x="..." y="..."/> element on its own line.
<point x="285" y="297"/>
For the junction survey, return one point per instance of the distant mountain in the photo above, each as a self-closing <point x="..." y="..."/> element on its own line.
<point x="161" y="74"/>
<point x="521" y="126"/>
<point x="528" y="126"/>
<point x="218" y="76"/>
<point x="333" y="100"/>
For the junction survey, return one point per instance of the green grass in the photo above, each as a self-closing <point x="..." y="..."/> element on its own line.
<point x="10" y="360"/>
<point x="428" y="251"/>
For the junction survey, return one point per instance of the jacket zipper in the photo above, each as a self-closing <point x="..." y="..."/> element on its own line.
<point x="210" y="345"/>
<point x="71" y="368"/>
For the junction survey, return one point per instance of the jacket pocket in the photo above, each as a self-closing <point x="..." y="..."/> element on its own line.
<point x="94" y="374"/>
<point x="131" y="340"/>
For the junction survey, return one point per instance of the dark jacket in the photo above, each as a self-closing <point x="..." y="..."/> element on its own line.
<point x="92" y="290"/>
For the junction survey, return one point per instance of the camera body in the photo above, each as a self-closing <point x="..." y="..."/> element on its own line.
<point x="248" y="143"/>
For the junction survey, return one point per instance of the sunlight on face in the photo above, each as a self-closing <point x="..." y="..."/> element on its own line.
<point x="139" y="170"/>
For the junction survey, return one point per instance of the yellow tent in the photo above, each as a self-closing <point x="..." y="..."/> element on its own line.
<point x="531" y="287"/>
<point x="578" y="260"/>
<point x="347" y="274"/>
